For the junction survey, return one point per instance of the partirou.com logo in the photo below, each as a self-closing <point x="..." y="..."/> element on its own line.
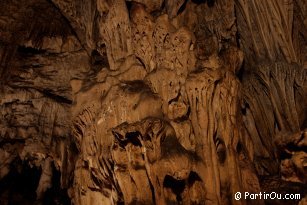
<point x="264" y="195"/>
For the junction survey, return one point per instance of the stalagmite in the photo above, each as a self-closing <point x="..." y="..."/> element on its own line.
<point x="107" y="102"/>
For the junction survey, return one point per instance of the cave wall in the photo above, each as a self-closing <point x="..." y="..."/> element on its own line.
<point x="152" y="102"/>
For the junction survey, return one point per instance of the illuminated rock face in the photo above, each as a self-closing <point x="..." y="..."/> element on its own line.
<point x="152" y="102"/>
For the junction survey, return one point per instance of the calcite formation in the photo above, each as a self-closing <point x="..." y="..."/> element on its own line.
<point x="108" y="102"/>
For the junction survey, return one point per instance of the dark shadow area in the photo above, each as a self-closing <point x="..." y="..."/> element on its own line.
<point x="176" y="186"/>
<point x="19" y="186"/>
<point x="29" y="51"/>
<point x="182" y="8"/>
<point x="199" y="1"/>
<point x="133" y="138"/>
<point x="210" y="3"/>
<point x="193" y="177"/>
<point x="56" y="195"/>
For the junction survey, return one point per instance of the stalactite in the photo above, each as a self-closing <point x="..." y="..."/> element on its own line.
<point x="152" y="102"/>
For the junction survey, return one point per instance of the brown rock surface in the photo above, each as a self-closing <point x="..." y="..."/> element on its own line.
<point x="152" y="102"/>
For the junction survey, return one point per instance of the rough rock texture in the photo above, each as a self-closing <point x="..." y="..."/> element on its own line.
<point x="152" y="102"/>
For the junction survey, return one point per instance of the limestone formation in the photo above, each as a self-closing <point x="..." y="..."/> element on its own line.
<point x="107" y="102"/>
